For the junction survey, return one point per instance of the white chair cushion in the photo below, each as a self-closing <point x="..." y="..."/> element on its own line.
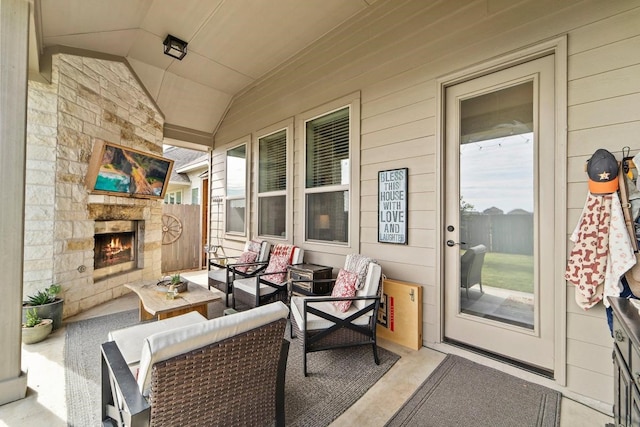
<point x="248" y="285"/>
<point x="129" y="340"/>
<point x="218" y="275"/>
<point x="370" y="285"/>
<point x="298" y="256"/>
<point x="167" y="344"/>
<point x="315" y="322"/>
<point x="265" y="249"/>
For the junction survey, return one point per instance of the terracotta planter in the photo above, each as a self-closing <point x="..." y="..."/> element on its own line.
<point x="37" y="333"/>
<point x="52" y="311"/>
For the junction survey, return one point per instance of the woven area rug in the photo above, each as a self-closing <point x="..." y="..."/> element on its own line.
<point x="337" y="378"/>
<point x="460" y="392"/>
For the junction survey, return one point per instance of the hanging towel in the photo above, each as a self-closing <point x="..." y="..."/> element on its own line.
<point x="620" y="256"/>
<point x="602" y="252"/>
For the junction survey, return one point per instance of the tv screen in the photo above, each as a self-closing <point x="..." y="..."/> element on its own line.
<point x="114" y="169"/>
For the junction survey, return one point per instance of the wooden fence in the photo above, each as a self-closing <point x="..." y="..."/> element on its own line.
<point x="182" y="238"/>
<point x="509" y="234"/>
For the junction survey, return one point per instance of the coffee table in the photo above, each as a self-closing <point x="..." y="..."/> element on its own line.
<point x="155" y="305"/>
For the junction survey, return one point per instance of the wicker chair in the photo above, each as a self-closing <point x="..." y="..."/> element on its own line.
<point x="270" y="284"/>
<point x="225" y="371"/>
<point x="223" y="269"/>
<point x="471" y="267"/>
<point x="319" y="325"/>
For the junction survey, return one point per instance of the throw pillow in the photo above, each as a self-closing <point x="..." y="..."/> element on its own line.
<point x="282" y="249"/>
<point x="277" y="264"/>
<point x="246" y="257"/>
<point x="345" y="287"/>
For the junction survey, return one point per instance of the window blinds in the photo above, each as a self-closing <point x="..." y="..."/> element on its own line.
<point x="273" y="162"/>
<point x="327" y="147"/>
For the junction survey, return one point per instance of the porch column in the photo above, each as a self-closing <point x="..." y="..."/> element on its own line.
<point x="14" y="35"/>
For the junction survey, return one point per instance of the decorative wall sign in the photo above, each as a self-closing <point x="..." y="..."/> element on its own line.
<point x="392" y="206"/>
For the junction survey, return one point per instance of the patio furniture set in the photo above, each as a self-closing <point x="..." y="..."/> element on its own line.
<point x="187" y="370"/>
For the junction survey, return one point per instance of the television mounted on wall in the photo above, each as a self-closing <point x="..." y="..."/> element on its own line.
<point x="123" y="171"/>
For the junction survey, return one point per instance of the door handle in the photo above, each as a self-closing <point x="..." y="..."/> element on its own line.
<point x="451" y="243"/>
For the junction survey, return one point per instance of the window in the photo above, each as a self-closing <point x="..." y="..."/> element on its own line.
<point x="272" y="184"/>
<point x="328" y="177"/>
<point x="173" y="197"/>
<point x="195" y="196"/>
<point x="236" y="190"/>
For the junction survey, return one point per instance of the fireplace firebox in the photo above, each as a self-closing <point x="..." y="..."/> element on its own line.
<point x="115" y="247"/>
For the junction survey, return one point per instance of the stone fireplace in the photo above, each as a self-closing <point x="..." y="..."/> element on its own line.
<point x="89" y="101"/>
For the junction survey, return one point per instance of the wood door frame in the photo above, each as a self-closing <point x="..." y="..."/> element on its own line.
<point x="558" y="48"/>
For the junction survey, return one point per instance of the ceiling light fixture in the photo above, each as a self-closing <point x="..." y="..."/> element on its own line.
<point x="175" y="47"/>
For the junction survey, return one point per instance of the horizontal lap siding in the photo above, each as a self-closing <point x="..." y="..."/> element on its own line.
<point x="393" y="55"/>
<point x="603" y="100"/>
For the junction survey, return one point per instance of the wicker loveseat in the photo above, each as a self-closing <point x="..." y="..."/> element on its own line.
<point x="197" y="372"/>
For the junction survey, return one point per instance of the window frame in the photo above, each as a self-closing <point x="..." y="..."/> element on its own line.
<point x="195" y="191"/>
<point x="246" y="141"/>
<point x="352" y="244"/>
<point x="288" y="126"/>
<point x="174" y="194"/>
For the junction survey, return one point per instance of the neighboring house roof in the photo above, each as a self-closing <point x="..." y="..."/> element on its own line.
<point x="493" y="211"/>
<point x="184" y="160"/>
<point x="519" y="212"/>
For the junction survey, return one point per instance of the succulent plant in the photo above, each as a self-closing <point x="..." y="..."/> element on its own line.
<point x="32" y="318"/>
<point x="44" y="297"/>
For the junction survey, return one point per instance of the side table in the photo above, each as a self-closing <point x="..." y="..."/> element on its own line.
<point x="309" y="272"/>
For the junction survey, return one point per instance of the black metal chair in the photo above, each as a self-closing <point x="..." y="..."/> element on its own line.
<point x="270" y="284"/>
<point x="320" y="325"/>
<point x="223" y="270"/>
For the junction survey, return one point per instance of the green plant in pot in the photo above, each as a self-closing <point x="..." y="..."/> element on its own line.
<point x="47" y="305"/>
<point x="175" y="279"/>
<point x="35" y="329"/>
<point x="179" y="284"/>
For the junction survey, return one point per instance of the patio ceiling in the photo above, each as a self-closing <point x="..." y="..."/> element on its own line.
<point x="231" y="44"/>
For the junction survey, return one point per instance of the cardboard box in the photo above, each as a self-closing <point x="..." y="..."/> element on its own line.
<point x="400" y="313"/>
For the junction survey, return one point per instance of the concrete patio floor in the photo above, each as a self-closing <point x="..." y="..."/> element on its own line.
<point x="45" y="403"/>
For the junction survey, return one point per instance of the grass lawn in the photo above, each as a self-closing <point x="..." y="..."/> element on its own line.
<point x="508" y="271"/>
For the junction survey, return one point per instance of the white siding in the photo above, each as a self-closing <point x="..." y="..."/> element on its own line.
<point x="393" y="55"/>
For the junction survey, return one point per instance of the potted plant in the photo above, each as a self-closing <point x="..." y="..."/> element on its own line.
<point x="35" y="329"/>
<point x="178" y="283"/>
<point x="47" y="305"/>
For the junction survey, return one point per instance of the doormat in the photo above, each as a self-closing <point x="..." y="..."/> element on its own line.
<point x="460" y="392"/>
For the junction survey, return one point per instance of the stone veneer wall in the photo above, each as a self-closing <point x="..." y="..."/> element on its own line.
<point x="88" y="100"/>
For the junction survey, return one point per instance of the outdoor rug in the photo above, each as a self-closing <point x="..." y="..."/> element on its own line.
<point x="460" y="392"/>
<point x="337" y="378"/>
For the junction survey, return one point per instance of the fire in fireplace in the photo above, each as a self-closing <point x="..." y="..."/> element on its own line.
<point x="115" y="247"/>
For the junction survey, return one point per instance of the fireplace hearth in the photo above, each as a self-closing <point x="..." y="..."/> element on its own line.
<point x="115" y="247"/>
